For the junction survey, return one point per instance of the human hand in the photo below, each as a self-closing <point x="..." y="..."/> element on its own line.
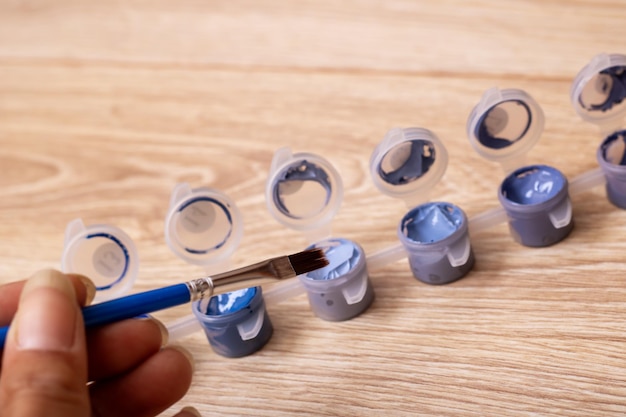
<point x="51" y="366"/>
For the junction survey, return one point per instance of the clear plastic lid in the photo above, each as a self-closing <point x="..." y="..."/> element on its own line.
<point x="408" y="163"/>
<point x="103" y="253"/>
<point x="505" y="125"/>
<point x="303" y="192"/>
<point x="599" y="90"/>
<point x="203" y="226"/>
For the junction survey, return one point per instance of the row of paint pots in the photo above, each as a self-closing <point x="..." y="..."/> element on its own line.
<point x="436" y="239"/>
<point x="304" y="192"/>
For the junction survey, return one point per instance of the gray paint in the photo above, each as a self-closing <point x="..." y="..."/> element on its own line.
<point x="533" y="197"/>
<point x="342" y="290"/>
<point x="429" y="233"/>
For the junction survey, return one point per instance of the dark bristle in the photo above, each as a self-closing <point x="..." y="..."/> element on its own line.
<point x="308" y="260"/>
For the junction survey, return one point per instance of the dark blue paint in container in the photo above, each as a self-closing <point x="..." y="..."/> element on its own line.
<point x="236" y="324"/>
<point x="537" y="202"/>
<point x="435" y="236"/>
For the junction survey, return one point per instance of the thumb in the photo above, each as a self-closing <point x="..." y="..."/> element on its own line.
<point x="44" y="368"/>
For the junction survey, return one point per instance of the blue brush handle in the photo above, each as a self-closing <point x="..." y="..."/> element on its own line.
<point x="129" y="306"/>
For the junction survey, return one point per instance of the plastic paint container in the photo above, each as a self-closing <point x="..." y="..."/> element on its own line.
<point x="435" y="236"/>
<point x="598" y="94"/>
<point x="407" y="164"/>
<point x="204" y="227"/>
<point x="103" y="253"/>
<point x="537" y="203"/>
<point x="236" y="324"/>
<point x="341" y="290"/>
<point x="303" y="192"/>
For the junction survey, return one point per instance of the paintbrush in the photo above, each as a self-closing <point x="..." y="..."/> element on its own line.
<point x="130" y="306"/>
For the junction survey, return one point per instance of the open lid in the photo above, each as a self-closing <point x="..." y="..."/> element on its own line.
<point x="103" y="253"/>
<point x="408" y="163"/>
<point x="203" y="226"/>
<point x="504" y="126"/>
<point x="599" y="90"/>
<point x="303" y="192"/>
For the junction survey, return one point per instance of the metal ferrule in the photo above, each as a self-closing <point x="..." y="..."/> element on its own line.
<point x="200" y="288"/>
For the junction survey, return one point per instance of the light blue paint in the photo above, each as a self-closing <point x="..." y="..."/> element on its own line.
<point x="533" y="185"/>
<point x="431" y="222"/>
<point x="343" y="255"/>
<point x="230" y="302"/>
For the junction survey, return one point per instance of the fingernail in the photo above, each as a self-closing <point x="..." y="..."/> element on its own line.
<point x="187" y="354"/>
<point x="90" y="288"/>
<point x="47" y="313"/>
<point x="190" y="410"/>
<point x="165" y="335"/>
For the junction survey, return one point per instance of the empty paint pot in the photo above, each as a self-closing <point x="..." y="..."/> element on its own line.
<point x="435" y="236"/>
<point x="537" y="203"/>
<point x="341" y="290"/>
<point x="236" y="324"/>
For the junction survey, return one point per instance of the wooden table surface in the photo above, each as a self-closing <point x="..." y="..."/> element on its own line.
<point x="105" y="106"/>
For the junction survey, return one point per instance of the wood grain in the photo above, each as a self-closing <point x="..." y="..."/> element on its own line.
<point x="105" y="106"/>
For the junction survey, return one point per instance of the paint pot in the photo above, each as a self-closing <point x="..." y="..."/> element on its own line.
<point x="341" y="290"/>
<point x="537" y="203"/>
<point x="611" y="156"/>
<point x="236" y="324"/>
<point x="435" y="236"/>
<point x="203" y="226"/>
<point x="105" y="254"/>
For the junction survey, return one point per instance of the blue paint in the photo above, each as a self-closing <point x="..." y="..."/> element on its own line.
<point x="612" y="84"/>
<point x="614" y="148"/>
<point x="226" y="211"/>
<point x="230" y="302"/>
<point x="533" y="184"/>
<point x="494" y="120"/>
<point x="431" y="222"/>
<point x="406" y="168"/>
<point x="124" y="251"/>
<point x="343" y="256"/>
